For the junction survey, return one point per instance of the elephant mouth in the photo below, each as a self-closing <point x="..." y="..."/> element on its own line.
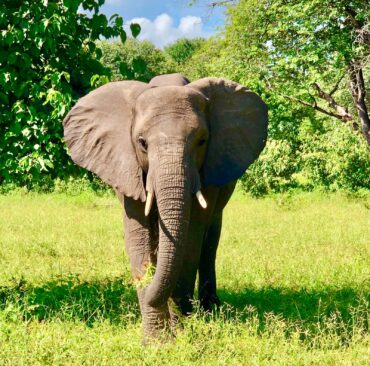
<point x="150" y="199"/>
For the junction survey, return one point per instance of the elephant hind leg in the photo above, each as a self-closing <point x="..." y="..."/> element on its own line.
<point x="207" y="272"/>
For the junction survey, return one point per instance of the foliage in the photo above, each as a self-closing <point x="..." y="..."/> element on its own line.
<point x="48" y="58"/>
<point x="305" y="149"/>
<point x="336" y="159"/>
<point x="181" y="50"/>
<point x="273" y="171"/>
<point x="305" y="50"/>
<point x="204" y="61"/>
<point x="136" y="60"/>
<point x="292" y="275"/>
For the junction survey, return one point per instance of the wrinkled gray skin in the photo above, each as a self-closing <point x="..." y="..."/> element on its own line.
<point x="172" y="138"/>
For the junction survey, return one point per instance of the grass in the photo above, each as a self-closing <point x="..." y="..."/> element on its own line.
<point x="293" y="274"/>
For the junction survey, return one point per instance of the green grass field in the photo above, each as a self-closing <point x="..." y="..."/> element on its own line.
<point x="293" y="275"/>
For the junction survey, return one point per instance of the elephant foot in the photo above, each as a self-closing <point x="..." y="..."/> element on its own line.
<point x="157" y="324"/>
<point x="209" y="300"/>
<point x="208" y="297"/>
<point x="184" y="305"/>
<point x="157" y="321"/>
<point x="178" y="309"/>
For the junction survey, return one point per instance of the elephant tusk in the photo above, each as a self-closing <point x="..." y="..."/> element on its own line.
<point x="201" y="199"/>
<point x="149" y="202"/>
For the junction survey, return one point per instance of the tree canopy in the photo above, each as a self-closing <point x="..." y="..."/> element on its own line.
<point x="312" y="52"/>
<point x="181" y="50"/>
<point x="134" y="60"/>
<point x="41" y="43"/>
<point x="299" y="55"/>
<point x="309" y="60"/>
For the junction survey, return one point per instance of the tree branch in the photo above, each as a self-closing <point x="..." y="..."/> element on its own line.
<point x="221" y="3"/>
<point x="347" y="117"/>
<point x="352" y="17"/>
<point x="340" y="111"/>
<point x="314" y="105"/>
<point x="335" y="88"/>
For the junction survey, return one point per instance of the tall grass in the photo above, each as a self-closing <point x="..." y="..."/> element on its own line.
<point x="293" y="275"/>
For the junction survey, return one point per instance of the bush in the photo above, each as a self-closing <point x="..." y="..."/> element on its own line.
<point x="136" y="60"/>
<point x="273" y="170"/>
<point x="337" y="159"/>
<point x="41" y="43"/>
<point x="183" y="49"/>
<point x="70" y="186"/>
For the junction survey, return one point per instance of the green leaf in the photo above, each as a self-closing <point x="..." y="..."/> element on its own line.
<point x="16" y="128"/>
<point x="123" y="36"/>
<point x="114" y="16"/>
<point x="139" y="65"/>
<point x="123" y="68"/>
<point x="135" y="29"/>
<point x="72" y="5"/>
<point x="119" y="22"/>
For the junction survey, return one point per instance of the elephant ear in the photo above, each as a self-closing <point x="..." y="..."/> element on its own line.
<point x="98" y="134"/>
<point x="238" y="129"/>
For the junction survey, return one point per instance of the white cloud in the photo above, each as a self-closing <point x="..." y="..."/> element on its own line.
<point x="162" y="31"/>
<point x="191" y="24"/>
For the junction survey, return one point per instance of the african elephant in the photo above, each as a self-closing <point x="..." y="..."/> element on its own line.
<point x="172" y="151"/>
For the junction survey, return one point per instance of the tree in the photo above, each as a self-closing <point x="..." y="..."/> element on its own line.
<point x="135" y="60"/>
<point x="48" y="58"/>
<point x="305" y="148"/>
<point x="182" y="50"/>
<point x="307" y="51"/>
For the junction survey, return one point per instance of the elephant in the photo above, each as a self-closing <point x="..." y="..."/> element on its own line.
<point x="172" y="150"/>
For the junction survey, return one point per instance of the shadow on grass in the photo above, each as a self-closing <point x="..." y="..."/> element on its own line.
<point x="340" y="315"/>
<point x="72" y="299"/>
<point x="113" y="300"/>
<point x="296" y="305"/>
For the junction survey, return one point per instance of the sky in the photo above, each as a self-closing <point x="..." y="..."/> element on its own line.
<point x="164" y="21"/>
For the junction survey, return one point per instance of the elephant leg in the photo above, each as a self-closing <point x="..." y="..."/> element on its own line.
<point x="199" y="221"/>
<point x="207" y="266"/>
<point x="141" y="239"/>
<point x="207" y="271"/>
<point x="184" y="290"/>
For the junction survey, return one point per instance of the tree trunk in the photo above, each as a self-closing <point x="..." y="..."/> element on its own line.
<point x="358" y="90"/>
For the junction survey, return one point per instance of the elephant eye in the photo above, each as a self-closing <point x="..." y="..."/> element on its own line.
<point x="143" y="143"/>
<point x="201" y="142"/>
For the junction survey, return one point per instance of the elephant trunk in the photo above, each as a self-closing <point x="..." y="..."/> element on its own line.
<point x="173" y="196"/>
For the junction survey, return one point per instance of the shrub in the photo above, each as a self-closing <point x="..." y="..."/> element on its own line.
<point x="273" y="170"/>
<point x="183" y="49"/>
<point x="136" y="60"/>
<point x="333" y="160"/>
<point x="48" y="58"/>
<point x="337" y="159"/>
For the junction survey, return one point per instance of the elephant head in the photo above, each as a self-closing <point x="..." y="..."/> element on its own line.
<point x="164" y="142"/>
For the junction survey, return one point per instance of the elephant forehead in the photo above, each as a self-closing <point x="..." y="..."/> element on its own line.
<point x="168" y="99"/>
<point x="169" y="104"/>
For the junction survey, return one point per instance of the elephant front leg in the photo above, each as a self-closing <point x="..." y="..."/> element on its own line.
<point x="199" y="221"/>
<point x="183" y="293"/>
<point x="141" y="239"/>
<point x="207" y="265"/>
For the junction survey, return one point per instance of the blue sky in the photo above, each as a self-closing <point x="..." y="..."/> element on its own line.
<point x="163" y="22"/>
